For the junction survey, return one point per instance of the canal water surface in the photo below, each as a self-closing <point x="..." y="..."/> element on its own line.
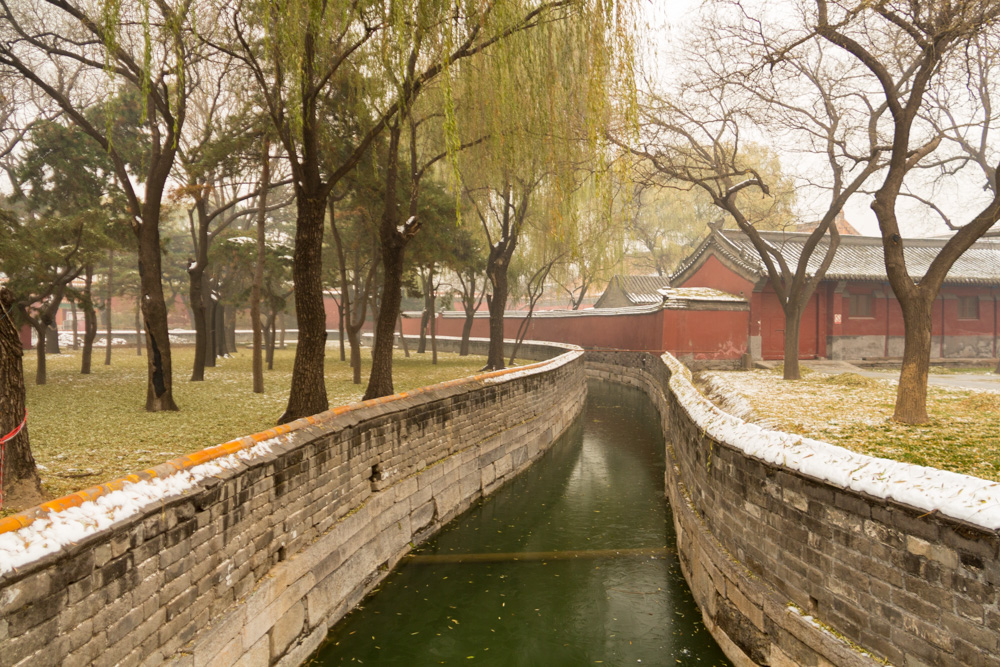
<point x="572" y="563"/>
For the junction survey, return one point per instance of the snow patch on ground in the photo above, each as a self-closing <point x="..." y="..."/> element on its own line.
<point x="103" y="342"/>
<point x="726" y="396"/>
<point x="959" y="496"/>
<point x="58" y="529"/>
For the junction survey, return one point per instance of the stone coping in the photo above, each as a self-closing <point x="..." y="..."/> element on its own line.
<point x="175" y="465"/>
<point x="965" y="498"/>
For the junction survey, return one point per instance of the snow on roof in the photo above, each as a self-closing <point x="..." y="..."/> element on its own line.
<point x="857" y="257"/>
<point x="963" y="497"/>
<point x="683" y="297"/>
<point x="637" y="290"/>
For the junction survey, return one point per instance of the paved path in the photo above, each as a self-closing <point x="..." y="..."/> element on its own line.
<point x="976" y="381"/>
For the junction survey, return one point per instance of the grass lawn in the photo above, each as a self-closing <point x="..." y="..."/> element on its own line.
<point x="855" y="412"/>
<point x="88" y="429"/>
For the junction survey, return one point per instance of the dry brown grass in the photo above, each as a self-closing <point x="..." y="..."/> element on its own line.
<point x="855" y="412"/>
<point x="87" y="429"/>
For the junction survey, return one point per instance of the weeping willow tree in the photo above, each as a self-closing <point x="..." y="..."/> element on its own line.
<point x="592" y="246"/>
<point x="543" y="103"/>
<point x="556" y="57"/>
<point x="78" y="53"/>
<point x="334" y="78"/>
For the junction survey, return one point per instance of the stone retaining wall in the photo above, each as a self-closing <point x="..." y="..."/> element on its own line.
<point x="253" y="565"/>
<point x="792" y="570"/>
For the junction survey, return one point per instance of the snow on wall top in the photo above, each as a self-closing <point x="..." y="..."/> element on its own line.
<point x="58" y="529"/>
<point x="38" y="533"/>
<point x="963" y="497"/>
<point x="683" y="296"/>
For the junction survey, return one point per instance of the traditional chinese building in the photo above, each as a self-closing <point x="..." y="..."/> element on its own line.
<point x="853" y="314"/>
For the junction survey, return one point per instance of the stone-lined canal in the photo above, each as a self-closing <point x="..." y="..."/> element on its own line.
<point x="572" y="563"/>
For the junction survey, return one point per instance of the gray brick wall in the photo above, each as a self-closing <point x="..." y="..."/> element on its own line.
<point x="887" y="581"/>
<point x="254" y="565"/>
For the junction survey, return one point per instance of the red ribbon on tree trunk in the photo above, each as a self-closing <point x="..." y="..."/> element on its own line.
<point x="12" y="434"/>
<point x="3" y="441"/>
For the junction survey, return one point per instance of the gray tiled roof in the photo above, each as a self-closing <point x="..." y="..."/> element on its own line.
<point x="644" y="289"/>
<point x="858" y="257"/>
<point x="638" y="290"/>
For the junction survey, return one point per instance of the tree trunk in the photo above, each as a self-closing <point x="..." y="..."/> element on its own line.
<point x="341" y="332"/>
<point x="354" y="338"/>
<point x="197" y="297"/>
<point x="258" y="272"/>
<point x="433" y="321"/>
<point x="221" y="349"/>
<point x="308" y="391"/>
<point x="424" y="316"/>
<point x="281" y="317"/>
<point x="911" y="393"/>
<point x="211" y="316"/>
<point x="463" y="350"/>
<point x="89" y="322"/>
<point x="159" y="369"/>
<point x="380" y="380"/>
<point x="375" y="304"/>
<point x="107" y="305"/>
<point x="393" y="242"/>
<point x="21" y="487"/>
<point x="793" y="325"/>
<point x="578" y="301"/>
<point x="76" y="327"/>
<point x="138" y="326"/>
<point x="230" y="329"/>
<point x="52" y="338"/>
<point x="271" y="339"/>
<point x="265" y="331"/>
<point x="402" y="338"/>
<point x="497" y="302"/>
<point x="40" y="375"/>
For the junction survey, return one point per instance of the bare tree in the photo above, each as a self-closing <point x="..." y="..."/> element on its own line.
<point x="905" y="48"/>
<point x="357" y="278"/>
<point x="534" y="288"/>
<point x="751" y="86"/>
<point x="503" y="213"/>
<point x="963" y="111"/>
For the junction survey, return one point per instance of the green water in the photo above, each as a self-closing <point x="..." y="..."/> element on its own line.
<point x="530" y="576"/>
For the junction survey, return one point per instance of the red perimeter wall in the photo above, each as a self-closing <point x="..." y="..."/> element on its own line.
<point x="699" y="334"/>
<point x="706" y="334"/>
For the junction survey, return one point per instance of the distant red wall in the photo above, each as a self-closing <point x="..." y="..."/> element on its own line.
<point x="709" y="334"/>
<point x="332" y="308"/>
<point x="25" y="334"/>
<point x="706" y="334"/>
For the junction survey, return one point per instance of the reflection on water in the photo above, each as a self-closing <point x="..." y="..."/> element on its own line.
<point x="572" y="563"/>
